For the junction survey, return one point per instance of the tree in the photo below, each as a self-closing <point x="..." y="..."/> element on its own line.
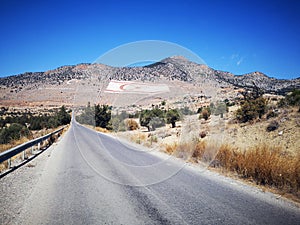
<point x="145" y="118"/>
<point x="172" y="116"/>
<point x="220" y="109"/>
<point x="87" y="116"/>
<point x="63" y="117"/>
<point x="102" y="115"/>
<point x="152" y="119"/>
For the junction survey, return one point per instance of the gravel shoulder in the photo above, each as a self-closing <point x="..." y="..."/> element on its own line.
<point x="18" y="185"/>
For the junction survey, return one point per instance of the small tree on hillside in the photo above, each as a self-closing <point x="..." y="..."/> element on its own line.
<point x="172" y="116"/>
<point x="251" y="109"/>
<point x="152" y="118"/>
<point x="102" y="115"/>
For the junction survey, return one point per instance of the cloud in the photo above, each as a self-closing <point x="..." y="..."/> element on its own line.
<point x="240" y="61"/>
<point x="234" y="56"/>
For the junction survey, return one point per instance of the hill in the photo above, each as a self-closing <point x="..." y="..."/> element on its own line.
<point x="60" y="85"/>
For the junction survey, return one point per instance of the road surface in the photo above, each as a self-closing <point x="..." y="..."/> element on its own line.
<point x="92" y="178"/>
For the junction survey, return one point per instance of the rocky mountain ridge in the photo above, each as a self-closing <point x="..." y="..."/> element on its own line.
<point x="172" y="68"/>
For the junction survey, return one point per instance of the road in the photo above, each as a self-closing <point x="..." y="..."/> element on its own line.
<point x="93" y="178"/>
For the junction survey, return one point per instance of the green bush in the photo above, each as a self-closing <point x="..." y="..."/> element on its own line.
<point x="251" y="109"/>
<point x="152" y="119"/>
<point x="291" y="99"/>
<point x="14" y="132"/>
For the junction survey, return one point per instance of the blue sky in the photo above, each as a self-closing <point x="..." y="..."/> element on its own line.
<point x="235" y="36"/>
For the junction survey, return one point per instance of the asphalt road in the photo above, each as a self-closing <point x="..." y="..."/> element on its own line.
<point x="92" y="178"/>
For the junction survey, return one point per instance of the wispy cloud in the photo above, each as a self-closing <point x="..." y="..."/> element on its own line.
<point x="240" y="61"/>
<point x="236" y="58"/>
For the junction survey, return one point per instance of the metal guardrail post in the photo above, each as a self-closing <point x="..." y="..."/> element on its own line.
<point x="24" y="155"/>
<point x="39" y="146"/>
<point x="9" y="163"/>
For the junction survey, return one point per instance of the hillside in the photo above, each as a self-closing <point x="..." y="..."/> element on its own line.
<point x="61" y="84"/>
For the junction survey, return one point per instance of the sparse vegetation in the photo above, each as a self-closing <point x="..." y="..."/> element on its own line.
<point x="263" y="164"/>
<point x="291" y="99"/>
<point x="18" y="124"/>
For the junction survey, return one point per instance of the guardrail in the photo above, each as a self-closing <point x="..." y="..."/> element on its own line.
<point x="6" y="155"/>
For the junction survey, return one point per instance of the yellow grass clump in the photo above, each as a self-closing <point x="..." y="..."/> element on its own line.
<point x="265" y="165"/>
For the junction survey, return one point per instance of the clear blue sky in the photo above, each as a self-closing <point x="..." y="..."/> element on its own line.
<point x="235" y="36"/>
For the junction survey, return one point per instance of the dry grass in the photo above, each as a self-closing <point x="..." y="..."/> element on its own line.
<point x="99" y="129"/>
<point x="199" y="149"/>
<point x="4" y="147"/>
<point x="170" y="148"/>
<point x="138" y="138"/>
<point x="131" y="124"/>
<point x="265" y="165"/>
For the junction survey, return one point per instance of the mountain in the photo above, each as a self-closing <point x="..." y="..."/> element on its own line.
<point x="176" y="68"/>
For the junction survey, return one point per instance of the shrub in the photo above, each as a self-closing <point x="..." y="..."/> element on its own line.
<point x="14" y="132"/>
<point x="292" y="99"/>
<point x="272" y="114"/>
<point x="251" y="109"/>
<point x="273" y="125"/>
<point x="131" y="124"/>
<point x="199" y="150"/>
<point x="205" y="114"/>
<point x="153" y="139"/>
<point x="170" y="148"/>
<point x="220" y="109"/>
<point x="202" y="134"/>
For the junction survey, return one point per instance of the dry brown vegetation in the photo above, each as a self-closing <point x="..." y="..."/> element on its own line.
<point x="131" y="124"/>
<point x="262" y="164"/>
<point x="265" y="165"/>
